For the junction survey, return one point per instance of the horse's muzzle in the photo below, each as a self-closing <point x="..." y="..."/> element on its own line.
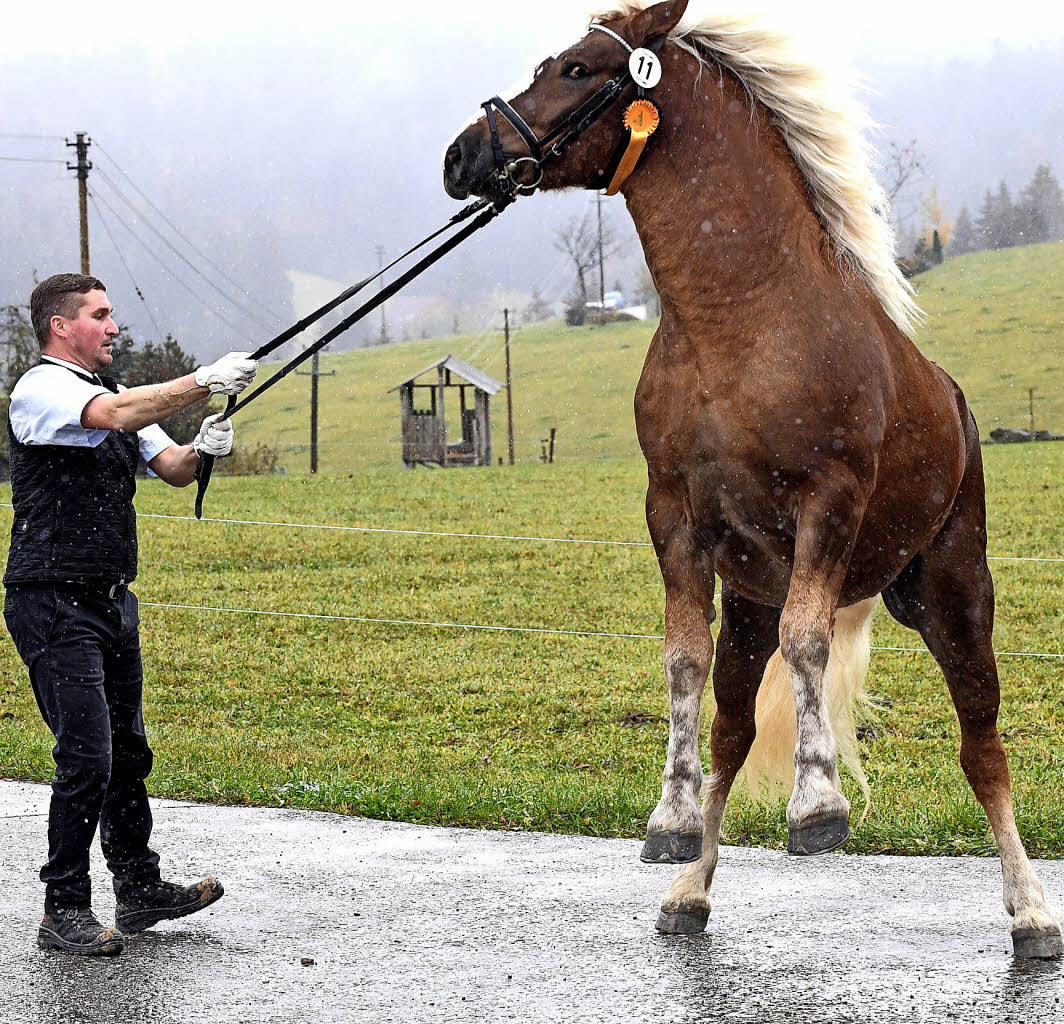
<point x="467" y="165"/>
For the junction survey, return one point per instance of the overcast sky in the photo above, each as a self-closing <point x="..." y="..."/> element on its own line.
<point x="924" y="27"/>
<point x="304" y="137"/>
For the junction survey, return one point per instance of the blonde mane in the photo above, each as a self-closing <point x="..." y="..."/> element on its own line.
<point x="826" y="131"/>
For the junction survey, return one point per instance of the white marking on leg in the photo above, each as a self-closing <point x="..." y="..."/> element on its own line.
<point x="1022" y="892"/>
<point x="682" y="777"/>
<point x="816" y="795"/>
<point x="689" y="891"/>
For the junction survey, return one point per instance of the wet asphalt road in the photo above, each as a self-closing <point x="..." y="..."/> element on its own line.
<point x="414" y="924"/>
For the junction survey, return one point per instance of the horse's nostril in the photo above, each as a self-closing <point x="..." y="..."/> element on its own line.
<point x="453" y="157"/>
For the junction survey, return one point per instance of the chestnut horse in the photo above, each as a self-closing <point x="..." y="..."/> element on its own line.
<point x="798" y="444"/>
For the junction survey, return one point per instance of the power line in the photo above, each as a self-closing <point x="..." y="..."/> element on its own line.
<point x="26" y="135"/>
<point x="30" y="160"/>
<point x="169" y="270"/>
<point x="181" y="256"/>
<point x="177" y="231"/>
<point x="136" y="287"/>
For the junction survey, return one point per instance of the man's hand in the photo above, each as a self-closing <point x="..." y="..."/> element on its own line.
<point x="215" y="437"/>
<point x="229" y="375"/>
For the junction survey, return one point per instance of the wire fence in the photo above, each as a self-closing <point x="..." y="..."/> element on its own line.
<point x="494" y="628"/>
<point x="531" y="539"/>
<point x="469" y="626"/>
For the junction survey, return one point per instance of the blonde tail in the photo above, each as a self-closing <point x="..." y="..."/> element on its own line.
<point x="769" y="768"/>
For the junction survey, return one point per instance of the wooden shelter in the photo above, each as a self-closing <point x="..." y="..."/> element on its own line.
<point x="425" y="430"/>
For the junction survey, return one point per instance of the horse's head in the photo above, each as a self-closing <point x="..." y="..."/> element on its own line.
<point x="561" y="86"/>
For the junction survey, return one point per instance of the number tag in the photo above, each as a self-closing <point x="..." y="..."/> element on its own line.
<point x="645" y="68"/>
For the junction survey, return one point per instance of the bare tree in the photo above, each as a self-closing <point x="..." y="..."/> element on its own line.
<point x="578" y="239"/>
<point x="902" y="165"/>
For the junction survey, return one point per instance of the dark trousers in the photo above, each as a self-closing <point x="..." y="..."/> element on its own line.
<point x="82" y="649"/>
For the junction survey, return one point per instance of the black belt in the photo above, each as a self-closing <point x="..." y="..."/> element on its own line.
<point x="112" y="590"/>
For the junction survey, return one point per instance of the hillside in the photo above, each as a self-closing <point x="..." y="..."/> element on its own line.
<point x="995" y="322"/>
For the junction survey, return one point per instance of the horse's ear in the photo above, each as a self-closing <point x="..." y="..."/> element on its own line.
<point x="657" y="21"/>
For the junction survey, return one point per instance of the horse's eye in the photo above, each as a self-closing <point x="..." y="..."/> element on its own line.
<point x="575" y="71"/>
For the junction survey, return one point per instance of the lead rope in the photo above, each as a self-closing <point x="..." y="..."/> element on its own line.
<point x="488" y="212"/>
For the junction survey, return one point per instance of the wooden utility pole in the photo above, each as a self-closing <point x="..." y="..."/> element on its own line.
<point x="380" y="285"/>
<point x="509" y="388"/>
<point x="81" y="145"/>
<point x="1030" y="408"/>
<point x="314" y="374"/>
<point x="602" y="274"/>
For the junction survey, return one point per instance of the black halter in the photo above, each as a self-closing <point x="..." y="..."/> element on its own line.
<point x="562" y="135"/>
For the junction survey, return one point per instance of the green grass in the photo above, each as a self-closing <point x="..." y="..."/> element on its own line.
<point x="995" y="322"/>
<point x="517" y="730"/>
<point x="541" y="731"/>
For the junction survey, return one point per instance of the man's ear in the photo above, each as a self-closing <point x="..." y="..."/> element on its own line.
<point x="656" y="22"/>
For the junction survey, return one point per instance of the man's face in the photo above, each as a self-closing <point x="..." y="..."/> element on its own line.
<point x="89" y="336"/>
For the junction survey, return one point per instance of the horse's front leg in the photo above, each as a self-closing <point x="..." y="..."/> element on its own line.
<point x="818" y="815"/>
<point x="674" y="832"/>
<point x="749" y="634"/>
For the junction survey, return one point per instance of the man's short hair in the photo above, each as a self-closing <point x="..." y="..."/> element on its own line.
<point x="58" y="295"/>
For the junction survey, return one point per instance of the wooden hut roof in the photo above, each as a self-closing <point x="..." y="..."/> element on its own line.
<point x="470" y="374"/>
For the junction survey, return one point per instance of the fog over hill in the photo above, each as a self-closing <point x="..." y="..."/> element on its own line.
<point x="302" y="154"/>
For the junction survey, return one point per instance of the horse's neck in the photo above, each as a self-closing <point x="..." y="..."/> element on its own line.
<point x="719" y="205"/>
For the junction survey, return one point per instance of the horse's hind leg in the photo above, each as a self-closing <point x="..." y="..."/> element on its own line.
<point x="674" y="831"/>
<point x="947" y="594"/>
<point x="749" y="634"/>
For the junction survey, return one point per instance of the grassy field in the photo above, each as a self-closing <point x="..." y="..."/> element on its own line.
<point x="995" y="322"/>
<point x="517" y="730"/>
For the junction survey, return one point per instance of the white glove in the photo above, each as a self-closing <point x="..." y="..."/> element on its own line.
<point x="229" y="375"/>
<point x="215" y="436"/>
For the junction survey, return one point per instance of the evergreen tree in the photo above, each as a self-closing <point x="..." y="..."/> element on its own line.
<point x="985" y="222"/>
<point x="964" y="234"/>
<point x="936" y="248"/>
<point x="1040" y="207"/>
<point x="537" y="309"/>
<point x="997" y="219"/>
<point x="18" y="344"/>
<point x="1005" y="227"/>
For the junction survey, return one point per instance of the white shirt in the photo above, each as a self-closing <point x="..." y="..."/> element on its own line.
<point x="47" y="403"/>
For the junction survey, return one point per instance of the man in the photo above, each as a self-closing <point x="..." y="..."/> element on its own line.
<point x="76" y="441"/>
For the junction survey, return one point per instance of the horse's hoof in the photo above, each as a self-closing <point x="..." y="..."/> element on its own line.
<point x="671" y="847"/>
<point x="683" y="922"/>
<point x="823" y="837"/>
<point x="1037" y="945"/>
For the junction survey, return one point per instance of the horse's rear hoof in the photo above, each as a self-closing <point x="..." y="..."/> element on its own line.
<point x="823" y="837"/>
<point x="1037" y="946"/>
<point x="671" y="847"/>
<point x="683" y="922"/>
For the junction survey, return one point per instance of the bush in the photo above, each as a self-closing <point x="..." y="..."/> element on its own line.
<point x="245" y="461"/>
<point x="598" y="317"/>
<point x="575" y="315"/>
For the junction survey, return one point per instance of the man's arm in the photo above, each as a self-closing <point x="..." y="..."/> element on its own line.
<point x="176" y="465"/>
<point x="135" y="408"/>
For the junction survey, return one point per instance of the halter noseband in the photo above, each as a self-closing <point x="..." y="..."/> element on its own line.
<point x="562" y="135"/>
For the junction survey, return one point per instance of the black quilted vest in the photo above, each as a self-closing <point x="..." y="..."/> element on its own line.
<point x="74" y="517"/>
